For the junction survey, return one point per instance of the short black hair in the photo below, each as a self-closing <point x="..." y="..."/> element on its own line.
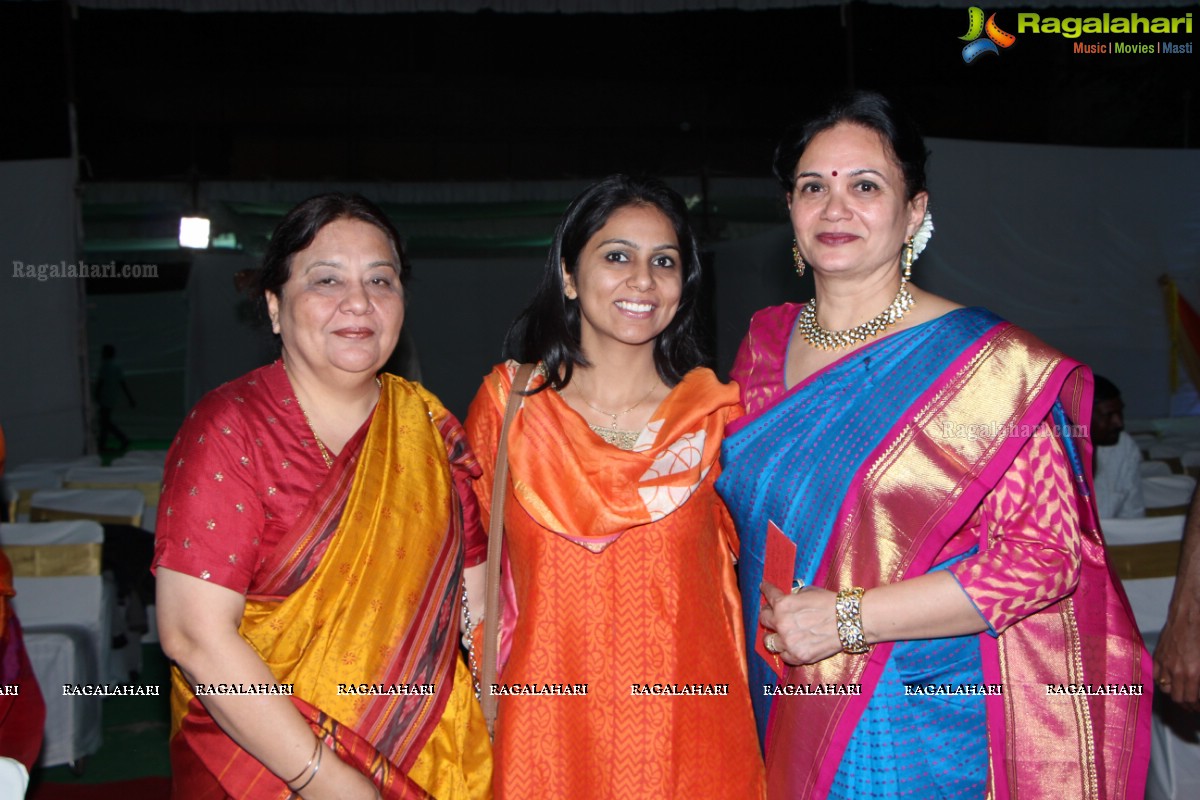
<point x="301" y="225"/>
<point x="548" y="330"/>
<point x="870" y="110"/>
<point x="1105" y="389"/>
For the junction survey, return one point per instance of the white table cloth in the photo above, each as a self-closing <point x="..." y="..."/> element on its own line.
<point x="144" y="478"/>
<point x="1168" y="491"/>
<point x="102" y="505"/>
<point x="1151" y="468"/>
<point x="138" y="458"/>
<point x="68" y="633"/>
<point x="70" y="531"/>
<point x="23" y="482"/>
<point x="73" y="724"/>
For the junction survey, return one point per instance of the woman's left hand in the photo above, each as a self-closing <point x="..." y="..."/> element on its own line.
<point x="803" y="626"/>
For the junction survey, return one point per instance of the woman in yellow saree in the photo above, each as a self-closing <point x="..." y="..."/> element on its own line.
<point x="312" y="534"/>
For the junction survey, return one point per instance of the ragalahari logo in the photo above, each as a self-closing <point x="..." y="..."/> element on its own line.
<point x="976" y="27"/>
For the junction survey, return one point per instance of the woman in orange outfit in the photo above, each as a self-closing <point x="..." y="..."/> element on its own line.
<point x="619" y="555"/>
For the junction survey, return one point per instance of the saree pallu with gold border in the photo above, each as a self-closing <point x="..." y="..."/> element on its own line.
<point x="871" y="467"/>
<point x="365" y="589"/>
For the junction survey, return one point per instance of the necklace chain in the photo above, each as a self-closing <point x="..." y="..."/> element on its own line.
<point x="325" y="456"/>
<point x="613" y="416"/>
<point x="321" y="445"/>
<point x="824" y="339"/>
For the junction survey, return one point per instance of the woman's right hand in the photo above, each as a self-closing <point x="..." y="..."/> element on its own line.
<point x="198" y="628"/>
<point x="804" y="624"/>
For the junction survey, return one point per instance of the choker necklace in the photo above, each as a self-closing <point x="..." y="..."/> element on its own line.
<point x="823" y="339"/>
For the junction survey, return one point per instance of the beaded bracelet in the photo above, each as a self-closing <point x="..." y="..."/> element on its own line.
<point x="848" y="607"/>
<point x="468" y="640"/>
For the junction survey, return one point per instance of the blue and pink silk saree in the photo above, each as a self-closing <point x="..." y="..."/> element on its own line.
<point x="957" y="444"/>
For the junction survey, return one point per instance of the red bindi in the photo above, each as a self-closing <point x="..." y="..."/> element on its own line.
<point x="835" y="173"/>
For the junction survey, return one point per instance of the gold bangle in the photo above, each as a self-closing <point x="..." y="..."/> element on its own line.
<point x="317" y="755"/>
<point x="848" y="607"/>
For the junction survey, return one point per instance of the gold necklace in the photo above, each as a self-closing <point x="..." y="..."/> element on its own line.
<point x="823" y="339"/>
<point x="324" y="453"/>
<point x="622" y="440"/>
<point x="325" y="456"/>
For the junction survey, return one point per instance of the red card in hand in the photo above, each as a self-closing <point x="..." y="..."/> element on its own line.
<point x="778" y="570"/>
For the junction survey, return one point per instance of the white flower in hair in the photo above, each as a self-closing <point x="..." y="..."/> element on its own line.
<point x="923" y="234"/>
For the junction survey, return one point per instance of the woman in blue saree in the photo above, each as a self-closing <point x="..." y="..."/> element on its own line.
<point x="921" y="472"/>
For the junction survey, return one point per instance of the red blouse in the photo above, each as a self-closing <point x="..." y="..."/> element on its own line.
<point x="240" y="472"/>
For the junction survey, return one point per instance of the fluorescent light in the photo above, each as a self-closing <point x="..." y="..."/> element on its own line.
<point x="193" y="232"/>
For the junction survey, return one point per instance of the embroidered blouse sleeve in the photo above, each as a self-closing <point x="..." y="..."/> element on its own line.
<point x="1033" y="537"/>
<point x="210" y="518"/>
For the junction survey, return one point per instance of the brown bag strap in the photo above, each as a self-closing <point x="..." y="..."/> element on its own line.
<point x="491" y="621"/>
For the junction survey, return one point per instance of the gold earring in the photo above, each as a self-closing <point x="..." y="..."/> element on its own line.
<point x="797" y="260"/>
<point x="907" y="257"/>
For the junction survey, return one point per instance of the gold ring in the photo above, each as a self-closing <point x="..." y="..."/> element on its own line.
<point x="771" y="642"/>
<point x="797" y="585"/>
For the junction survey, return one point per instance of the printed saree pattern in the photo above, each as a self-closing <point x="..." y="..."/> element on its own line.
<point x="365" y="590"/>
<point x="873" y="466"/>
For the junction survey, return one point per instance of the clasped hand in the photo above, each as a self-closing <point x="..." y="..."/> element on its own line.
<point x="804" y="624"/>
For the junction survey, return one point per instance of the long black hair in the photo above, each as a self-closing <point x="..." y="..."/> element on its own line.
<point x="548" y="330"/>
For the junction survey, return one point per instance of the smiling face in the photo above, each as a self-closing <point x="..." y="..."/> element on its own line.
<point x="848" y="205"/>
<point x="342" y="306"/>
<point x="628" y="279"/>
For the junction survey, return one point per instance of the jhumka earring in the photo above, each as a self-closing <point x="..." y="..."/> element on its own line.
<point x="797" y="260"/>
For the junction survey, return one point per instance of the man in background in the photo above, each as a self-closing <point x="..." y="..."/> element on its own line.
<point x="1117" y="465"/>
<point x="109" y="385"/>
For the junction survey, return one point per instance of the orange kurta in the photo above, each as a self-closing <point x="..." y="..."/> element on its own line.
<point x="622" y="569"/>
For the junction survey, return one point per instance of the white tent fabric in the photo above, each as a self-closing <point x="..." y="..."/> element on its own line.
<point x="41" y="388"/>
<point x="1067" y="242"/>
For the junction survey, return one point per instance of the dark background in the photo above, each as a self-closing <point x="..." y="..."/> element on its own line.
<point x="485" y="96"/>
